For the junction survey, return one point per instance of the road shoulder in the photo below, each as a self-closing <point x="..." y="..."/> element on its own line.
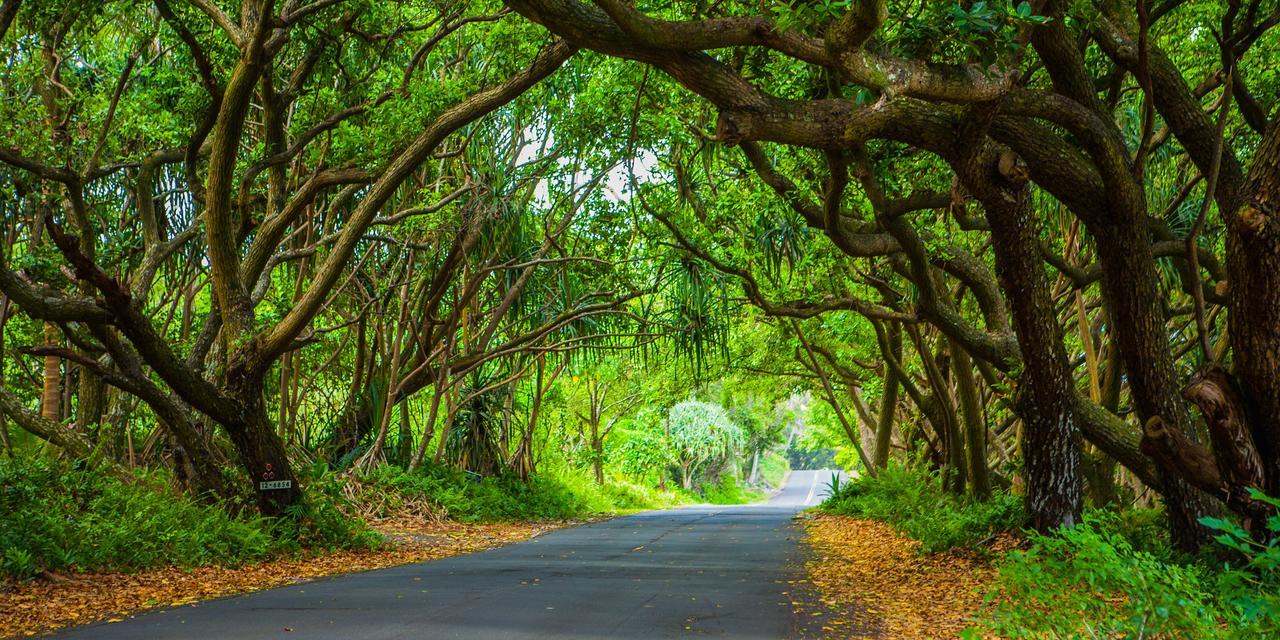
<point x="45" y="605"/>
<point x="865" y="580"/>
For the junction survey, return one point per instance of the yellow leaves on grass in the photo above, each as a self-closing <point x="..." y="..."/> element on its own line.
<point x="41" y="606"/>
<point x="876" y="584"/>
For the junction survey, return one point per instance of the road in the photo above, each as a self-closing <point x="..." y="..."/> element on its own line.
<point x="704" y="570"/>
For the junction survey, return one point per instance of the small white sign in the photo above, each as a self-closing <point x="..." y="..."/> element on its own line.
<point x="275" y="484"/>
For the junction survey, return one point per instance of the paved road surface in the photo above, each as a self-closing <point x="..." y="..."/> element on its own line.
<point x="706" y="570"/>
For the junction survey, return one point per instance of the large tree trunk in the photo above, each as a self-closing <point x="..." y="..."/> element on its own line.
<point x="89" y="400"/>
<point x="1253" y="261"/>
<point x="1133" y="301"/>
<point x="1051" y="446"/>
<point x="261" y="451"/>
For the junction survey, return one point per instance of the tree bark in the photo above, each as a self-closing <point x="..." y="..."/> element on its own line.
<point x="1253" y="261"/>
<point x="888" y="400"/>
<point x="975" y="426"/>
<point x="1051" y="445"/>
<point x="51" y="380"/>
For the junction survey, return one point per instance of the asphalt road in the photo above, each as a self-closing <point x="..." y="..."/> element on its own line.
<point x="705" y="570"/>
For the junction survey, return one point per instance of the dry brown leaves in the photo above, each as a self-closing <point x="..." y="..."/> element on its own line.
<point x="873" y="583"/>
<point x="41" y="606"/>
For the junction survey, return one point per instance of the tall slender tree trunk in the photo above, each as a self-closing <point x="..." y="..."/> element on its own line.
<point x="597" y="453"/>
<point x="975" y="427"/>
<point x="404" y="443"/>
<point x="51" y="391"/>
<point x="4" y="419"/>
<point x="888" y="400"/>
<point x="947" y="423"/>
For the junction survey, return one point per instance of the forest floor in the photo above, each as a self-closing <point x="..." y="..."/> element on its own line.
<point x="47" y="604"/>
<point x="866" y="580"/>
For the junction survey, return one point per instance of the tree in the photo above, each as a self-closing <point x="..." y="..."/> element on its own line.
<point x="250" y="181"/>
<point x="701" y="433"/>
<point x="1006" y="132"/>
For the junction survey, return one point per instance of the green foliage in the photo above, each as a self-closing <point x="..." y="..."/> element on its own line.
<point x="773" y="468"/>
<point x="1092" y="580"/>
<point x="1089" y="581"/>
<point x="54" y="517"/>
<point x="1253" y="591"/>
<point x="643" y="452"/>
<point x="702" y="432"/>
<point x="914" y="502"/>
<point x="728" y="489"/>
<point x="546" y="496"/>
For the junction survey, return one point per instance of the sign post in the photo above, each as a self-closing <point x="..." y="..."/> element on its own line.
<point x="269" y="484"/>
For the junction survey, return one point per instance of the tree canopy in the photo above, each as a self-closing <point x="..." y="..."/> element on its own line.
<point x="1027" y="245"/>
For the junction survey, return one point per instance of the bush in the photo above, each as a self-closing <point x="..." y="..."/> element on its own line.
<point x="1089" y="581"/>
<point x="728" y="490"/>
<point x="54" y="517"/>
<point x="773" y="468"/>
<point x="547" y="496"/>
<point x="58" y="517"/>
<point x="1250" y="593"/>
<point x="1092" y="581"/>
<point x="915" y="503"/>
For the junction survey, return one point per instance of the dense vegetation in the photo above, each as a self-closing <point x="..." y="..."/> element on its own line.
<point x="1014" y="263"/>
<point x="1112" y="575"/>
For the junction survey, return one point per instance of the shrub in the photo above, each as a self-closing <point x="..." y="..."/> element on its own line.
<point x="1092" y="581"/>
<point x="1250" y="593"/>
<point x="55" y="517"/>
<point x="727" y="489"/>
<point x="773" y="468"/>
<point x="1089" y="581"/>
<point x="546" y="496"/>
<point x="915" y="503"/>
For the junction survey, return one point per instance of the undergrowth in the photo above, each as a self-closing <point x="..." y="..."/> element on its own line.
<point x="467" y="498"/>
<point x="727" y="489"/>
<point x="1091" y="581"/>
<point x="54" y="517"/>
<point x="914" y="502"/>
<point x="773" y="468"/>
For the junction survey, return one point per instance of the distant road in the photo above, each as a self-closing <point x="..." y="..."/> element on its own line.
<point x="696" y="571"/>
<point x="806" y="489"/>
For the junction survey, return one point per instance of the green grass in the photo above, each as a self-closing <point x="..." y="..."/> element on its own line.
<point x="773" y="468"/>
<point x="549" y="496"/>
<point x="727" y="489"/>
<point x="1092" y="581"/>
<point x="914" y="502"/>
<point x="57" y="517"/>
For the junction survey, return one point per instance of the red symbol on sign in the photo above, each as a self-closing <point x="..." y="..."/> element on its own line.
<point x="268" y="467"/>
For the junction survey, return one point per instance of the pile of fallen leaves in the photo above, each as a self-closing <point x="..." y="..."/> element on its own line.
<point x="41" y="606"/>
<point x="870" y="581"/>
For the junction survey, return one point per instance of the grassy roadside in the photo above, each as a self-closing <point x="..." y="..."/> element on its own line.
<point x="37" y="607"/>
<point x="79" y="545"/>
<point x="897" y="557"/>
